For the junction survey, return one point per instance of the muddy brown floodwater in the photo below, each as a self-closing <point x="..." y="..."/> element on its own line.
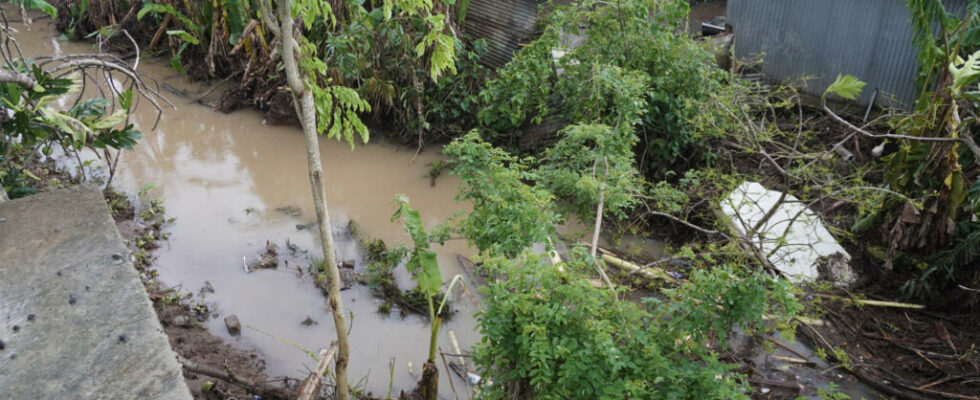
<point x="223" y="177"/>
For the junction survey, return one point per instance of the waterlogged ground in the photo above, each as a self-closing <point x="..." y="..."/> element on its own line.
<point x="224" y="178"/>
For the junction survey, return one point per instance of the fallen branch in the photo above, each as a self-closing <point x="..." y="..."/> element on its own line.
<point x="7" y="75"/>
<point x="260" y="388"/>
<point x="445" y="364"/>
<point x="244" y="36"/>
<point x="794" y="360"/>
<point x="964" y="140"/>
<point x="789" y="349"/>
<point x="685" y="223"/>
<point x="310" y="388"/>
<point x="859" y="371"/>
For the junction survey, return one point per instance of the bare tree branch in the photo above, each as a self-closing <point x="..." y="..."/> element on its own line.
<point x="968" y="141"/>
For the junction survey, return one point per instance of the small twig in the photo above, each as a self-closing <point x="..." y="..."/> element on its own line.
<point x="794" y="360"/>
<point x="965" y="140"/>
<point x="455" y="354"/>
<point x="452" y="385"/>
<point x="789" y="349"/>
<point x="949" y="379"/>
<point x="685" y="223"/>
<point x="968" y="289"/>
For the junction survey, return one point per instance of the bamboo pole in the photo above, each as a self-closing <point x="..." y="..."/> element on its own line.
<point x="652" y="273"/>
<point x="873" y="303"/>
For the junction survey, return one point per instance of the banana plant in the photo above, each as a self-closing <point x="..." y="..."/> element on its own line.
<point x="424" y="267"/>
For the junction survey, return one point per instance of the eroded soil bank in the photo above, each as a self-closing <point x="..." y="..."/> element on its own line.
<point x="234" y="182"/>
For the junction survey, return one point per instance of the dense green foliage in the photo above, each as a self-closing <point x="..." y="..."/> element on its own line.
<point x="401" y="57"/>
<point x="549" y="334"/>
<point x="587" y="52"/>
<point x="508" y="215"/>
<point x="390" y="54"/>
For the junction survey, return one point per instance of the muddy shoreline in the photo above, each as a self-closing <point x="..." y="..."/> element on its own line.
<point x="144" y="228"/>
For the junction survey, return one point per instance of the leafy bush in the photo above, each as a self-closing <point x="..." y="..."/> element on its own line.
<point x="33" y="123"/>
<point x="642" y="37"/>
<point x="592" y="162"/>
<point x="549" y="334"/>
<point x="508" y="215"/>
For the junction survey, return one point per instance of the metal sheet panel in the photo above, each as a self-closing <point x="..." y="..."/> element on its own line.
<point x="504" y="24"/>
<point x="811" y="42"/>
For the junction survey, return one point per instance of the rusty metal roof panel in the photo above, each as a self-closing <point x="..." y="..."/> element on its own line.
<point x="504" y="24"/>
<point x="817" y="40"/>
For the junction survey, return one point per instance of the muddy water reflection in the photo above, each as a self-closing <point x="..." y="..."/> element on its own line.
<point x="223" y="177"/>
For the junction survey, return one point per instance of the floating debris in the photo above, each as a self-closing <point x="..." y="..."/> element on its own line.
<point x="233" y="325"/>
<point x="291" y="211"/>
<point x="268" y="259"/>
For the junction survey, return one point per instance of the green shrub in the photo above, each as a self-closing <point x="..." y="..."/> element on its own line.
<point x="508" y="215"/>
<point x="642" y="37"/>
<point x="550" y="334"/>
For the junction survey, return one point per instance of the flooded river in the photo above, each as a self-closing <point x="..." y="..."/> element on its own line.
<point x="223" y="177"/>
<point x="227" y="178"/>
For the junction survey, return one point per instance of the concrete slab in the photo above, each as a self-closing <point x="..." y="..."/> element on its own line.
<point x="75" y="320"/>
<point x="792" y="236"/>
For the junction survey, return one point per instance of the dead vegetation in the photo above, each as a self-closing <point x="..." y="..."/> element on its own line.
<point x="252" y="61"/>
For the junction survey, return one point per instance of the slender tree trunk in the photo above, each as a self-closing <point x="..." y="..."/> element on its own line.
<point x="303" y="101"/>
<point x="595" y="239"/>
<point x="598" y="228"/>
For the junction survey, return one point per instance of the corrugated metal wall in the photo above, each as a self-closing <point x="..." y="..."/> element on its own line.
<point x="504" y="24"/>
<point x="819" y="39"/>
